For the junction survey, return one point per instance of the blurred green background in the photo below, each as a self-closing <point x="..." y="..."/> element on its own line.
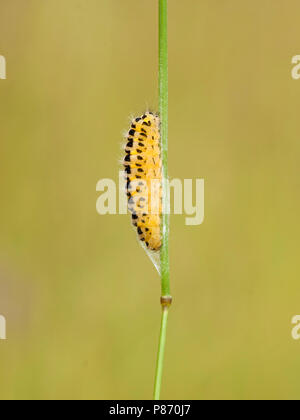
<point x="80" y="296"/>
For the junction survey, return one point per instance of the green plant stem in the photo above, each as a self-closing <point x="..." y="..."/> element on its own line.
<point x="161" y="352"/>
<point x="164" y="258"/>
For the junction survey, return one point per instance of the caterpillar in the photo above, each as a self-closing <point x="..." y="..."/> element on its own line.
<point x="143" y="170"/>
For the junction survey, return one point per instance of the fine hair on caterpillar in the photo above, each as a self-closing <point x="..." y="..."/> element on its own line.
<point x="143" y="171"/>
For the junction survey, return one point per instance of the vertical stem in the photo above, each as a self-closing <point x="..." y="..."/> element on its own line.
<point x="165" y="267"/>
<point x="163" y="110"/>
<point x="161" y="352"/>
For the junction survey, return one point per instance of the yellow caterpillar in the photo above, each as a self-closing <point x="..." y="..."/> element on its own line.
<point x="143" y="169"/>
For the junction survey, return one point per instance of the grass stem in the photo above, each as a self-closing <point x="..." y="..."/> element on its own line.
<point x="165" y="266"/>
<point x="161" y="352"/>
